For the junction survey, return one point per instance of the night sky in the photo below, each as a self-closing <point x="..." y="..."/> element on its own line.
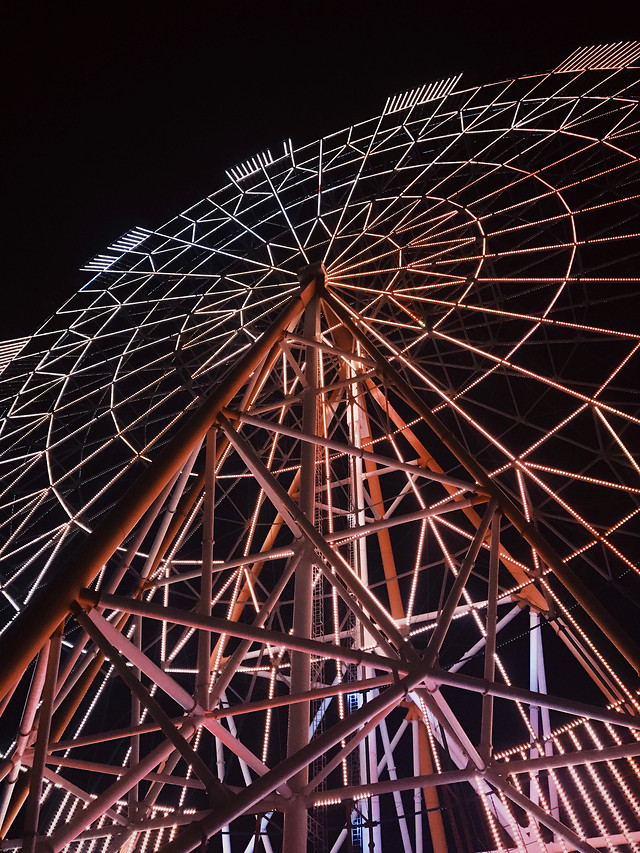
<point x="117" y="115"/>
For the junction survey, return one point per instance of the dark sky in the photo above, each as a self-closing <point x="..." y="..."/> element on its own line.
<point x="118" y="115"/>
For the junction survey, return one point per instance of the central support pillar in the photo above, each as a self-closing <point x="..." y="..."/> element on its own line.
<point x="296" y="818"/>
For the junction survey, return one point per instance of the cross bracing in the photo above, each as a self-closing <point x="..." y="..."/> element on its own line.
<point x="430" y="456"/>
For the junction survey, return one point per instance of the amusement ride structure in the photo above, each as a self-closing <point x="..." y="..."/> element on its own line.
<point x="319" y="509"/>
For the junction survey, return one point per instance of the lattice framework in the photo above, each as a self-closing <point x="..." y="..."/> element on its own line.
<point x="481" y="255"/>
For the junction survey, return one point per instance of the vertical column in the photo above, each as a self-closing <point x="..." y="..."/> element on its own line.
<point x="206" y="583"/>
<point x="134" y="756"/>
<point x="220" y="768"/>
<point x="359" y="427"/>
<point x="490" y="644"/>
<point x="42" y="742"/>
<point x="26" y="727"/>
<point x="534" y="711"/>
<point x="295" y="819"/>
<point x="543" y="720"/>
<point x="417" y="792"/>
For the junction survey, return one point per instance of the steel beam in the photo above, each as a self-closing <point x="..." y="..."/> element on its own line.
<point x="296" y="818"/>
<point x="503" y="769"/>
<point x="441" y="677"/>
<point x="453" y="599"/>
<point x="42" y="741"/>
<point x="529" y="592"/>
<point x="12" y="767"/>
<point x="585" y="598"/>
<point x="309" y="695"/>
<point x="254" y="557"/>
<point x="246" y="799"/>
<point x="93" y="810"/>
<point x="415" y="469"/>
<point x="166" y="683"/>
<point x="300" y="526"/>
<point x="535" y="812"/>
<point x="390" y="763"/>
<point x="28" y="632"/>
<point x="237" y="629"/>
<point x="236" y="658"/>
<point x="486" y="722"/>
<point x="206" y="583"/>
<point x="97" y="628"/>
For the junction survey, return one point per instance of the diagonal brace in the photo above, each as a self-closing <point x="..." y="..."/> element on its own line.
<point x="92" y="625"/>
<point x="300" y="526"/>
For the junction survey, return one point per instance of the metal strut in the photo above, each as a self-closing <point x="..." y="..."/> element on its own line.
<point x="26" y="635"/>
<point x="296" y="817"/>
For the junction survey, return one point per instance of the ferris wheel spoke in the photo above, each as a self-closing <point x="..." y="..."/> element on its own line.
<point x="542" y="379"/>
<point x="578" y="411"/>
<point x="352" y="187"/>
<point x="414" y="294"/>
<point x="616" y="437"/>
<point x="479" y="239"/>
<point x="571" y="511"/>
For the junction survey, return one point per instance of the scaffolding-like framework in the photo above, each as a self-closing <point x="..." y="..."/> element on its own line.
<point x="319" y="504"/>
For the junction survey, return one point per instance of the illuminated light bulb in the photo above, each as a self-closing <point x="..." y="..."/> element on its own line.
<point x="579" y="518"/>
<point x="490" y="818"/>
<point x="592" y="648"/>
<point x="430" y="737"/>
<point x="156" y="846"/>
<point x="585" y="797"/>
<point x="146" y="837"/>
<point x="567" y="801"/>
<point x="630" y="761"/>
<point x="596" y="777"/>
<point x="416" y="568"/>
<point x="58" y="813"/>
<point x="516" y="833"/>
<point x="329" y="801"/>
<point x="267" y="728"/>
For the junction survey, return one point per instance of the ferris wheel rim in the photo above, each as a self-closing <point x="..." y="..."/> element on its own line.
<point x="174" y="318"/>
<point x="402" y="107"/>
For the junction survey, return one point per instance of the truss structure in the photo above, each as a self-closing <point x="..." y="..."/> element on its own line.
<point x="319" y="504"/>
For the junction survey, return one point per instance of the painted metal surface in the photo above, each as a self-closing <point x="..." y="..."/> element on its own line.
<point x="338" y="555"/>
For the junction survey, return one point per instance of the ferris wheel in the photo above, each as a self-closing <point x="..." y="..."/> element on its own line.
<point x="319" y="504"/>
